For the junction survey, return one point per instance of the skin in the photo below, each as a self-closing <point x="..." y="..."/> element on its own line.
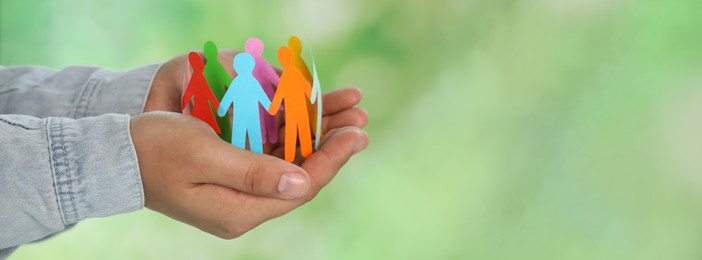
<point x="191" y="175"/>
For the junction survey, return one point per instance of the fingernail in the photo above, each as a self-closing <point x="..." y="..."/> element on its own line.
<point x="360" y="143"/>
<point x="292" y="184"/>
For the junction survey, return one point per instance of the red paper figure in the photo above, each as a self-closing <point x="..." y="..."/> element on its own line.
<point x="198" y="89"/>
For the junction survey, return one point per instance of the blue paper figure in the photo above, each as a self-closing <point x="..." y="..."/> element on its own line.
<point x="245" y="93"/>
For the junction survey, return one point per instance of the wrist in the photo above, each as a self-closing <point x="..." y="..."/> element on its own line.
<point x="167" y="85"/>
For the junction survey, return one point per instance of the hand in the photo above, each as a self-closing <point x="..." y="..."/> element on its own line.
<point x="190" y="175"/>
<point x="167" y="86"/>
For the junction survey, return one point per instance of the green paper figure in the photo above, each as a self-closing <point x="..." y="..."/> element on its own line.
<point x="219" y="80"/>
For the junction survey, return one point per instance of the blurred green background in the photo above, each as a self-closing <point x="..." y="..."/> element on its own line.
<point x="532" y="129"/>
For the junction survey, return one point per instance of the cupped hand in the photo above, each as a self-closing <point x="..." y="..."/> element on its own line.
<point x="191" y="175"/>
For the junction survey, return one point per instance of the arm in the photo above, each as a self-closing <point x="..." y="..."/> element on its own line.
<point x="74" y="92"/>
<point x="274" y="79"/>
<point x="308" y="90"/>
<point x="263" y="98"/>
<point x="213" y="99"/>
<point x="272" y="75"/>
<point x="277" y="100"/>
<point x="58" y="171"/>
<point x="315" y="92"/>
<point x="316" y="86"/>
<point x="227" y="101"/>
<point x="225" y="76"/>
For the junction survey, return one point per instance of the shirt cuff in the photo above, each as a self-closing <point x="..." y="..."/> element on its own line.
<point x="6" y="252"/>
<point x="94" y="165"/>
<point x="126" y="92"/>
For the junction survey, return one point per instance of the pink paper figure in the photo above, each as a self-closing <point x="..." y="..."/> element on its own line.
<point x="269" y="79"/>
<point x="198" y="89"/>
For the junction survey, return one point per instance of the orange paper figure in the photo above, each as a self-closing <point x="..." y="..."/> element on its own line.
<point x="296" y="47"/>
<point x="294" y="90"/>
<point x="198" y="89"/>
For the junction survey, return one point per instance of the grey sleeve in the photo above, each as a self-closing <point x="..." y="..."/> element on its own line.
<point x="56" y="170"/>
<point x="74" y="92"/>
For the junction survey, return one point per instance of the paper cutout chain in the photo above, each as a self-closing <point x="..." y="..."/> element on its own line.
<point x="256" y="94"/>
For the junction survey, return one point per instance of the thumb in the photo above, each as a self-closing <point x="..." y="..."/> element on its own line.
<point x="255" y="174"/>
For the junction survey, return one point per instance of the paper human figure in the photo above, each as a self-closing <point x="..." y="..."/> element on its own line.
<point x="317" y="98"/>
<point x="186" y="80"/>
<point x="293" y="90"/>
<point x="295" y="46"/>
<point x="245" y="94"/>
<point x="268" y="78"/>
<point x="219" y="80"/>
<point x="201" y="92"/>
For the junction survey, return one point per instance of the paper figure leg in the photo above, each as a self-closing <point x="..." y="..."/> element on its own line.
<point x="272" y="128"/>
<point x="262" y="115"/>
<point x="239" y="136"/>
<point x="255" y="142"/>
<point x="210" y="120"/>
<point x="290" y="140"/>
<point x="318" y="132"/>
<point x="224" y="125"/>
<point x="312" y="113"/>
<point x="305" y="140"/>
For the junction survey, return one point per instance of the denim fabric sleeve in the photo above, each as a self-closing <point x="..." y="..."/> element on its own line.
<point x="56" y="170"/>
<point x="73" y="92"/>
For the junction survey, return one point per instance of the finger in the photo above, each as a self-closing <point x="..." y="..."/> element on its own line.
<point x="340" y="100"/>
<point x="336" y="149"/>
<point x="236" y="213"/>
<point x="226" y="57"/>
<point x="357" y="117"/>
<point x="255" y="174"/>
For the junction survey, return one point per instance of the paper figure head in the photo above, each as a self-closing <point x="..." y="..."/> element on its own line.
<point x="243" y="63"/>
<point x="196" y="62"/>
<point x="210" y="50"/>
<point x="254" y="46"/>
<point x="295" y="44"/>
<point x="286" y="57"/>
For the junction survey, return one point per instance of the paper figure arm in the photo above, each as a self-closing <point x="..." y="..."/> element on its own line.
<point x="277" y="100"/>
<point x="225" y="77"/>
<point x="273" y="76"/>
<point x="227" y="101"/>
<point x="316" y="87"/>
<point x="308" y="90"/>
<point x="274" y="79"/>
<point x="213" y="99"/>
<point x="186" y="79"/>
<point x="263" y="98"/>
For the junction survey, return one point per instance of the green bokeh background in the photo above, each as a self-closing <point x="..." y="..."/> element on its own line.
<point x="531" y="129"/>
